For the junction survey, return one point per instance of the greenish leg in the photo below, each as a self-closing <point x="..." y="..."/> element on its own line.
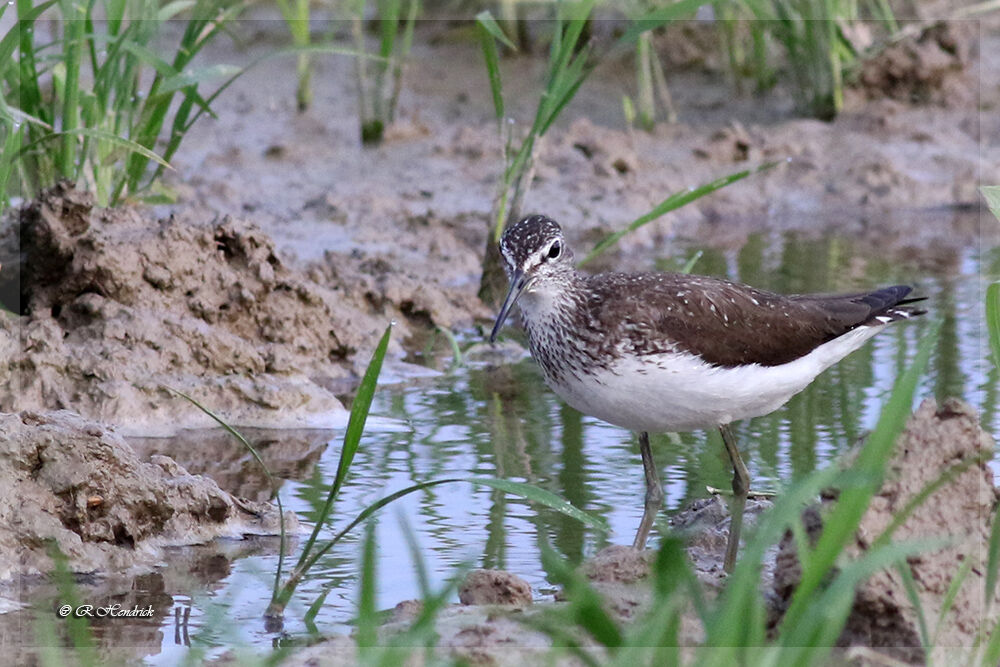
<point x="741" y="488"/>
<point x="654" y="493"/>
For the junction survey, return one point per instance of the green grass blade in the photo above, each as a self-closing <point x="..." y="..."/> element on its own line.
<point x="843" y="520"/>
<point x="366" y="633"/>
<point x="689" y="265"/>
<point x="654" y="639"/>
<point x="183" y="123"/>
<point x="993" y="320"/>
<point x="352" y="438"/>
<point x="950" y="596"/>
<point x="77" y="627"/>
<point x="671" y="568"/>
<point x="488" y="43"/>
<point x="730" y="626"/>
<point x="310" y="616"/>
<point x="992" y="195"/>
<point x="172" y="9"/>
<point x="992" y="653"/>
<point x="16" y="117"/>
<point x="813" y="635"/>
<point x="111" y="138"/>
<point x="11" y="145"/>
<point x="290" y="51"/>
<point x="288" y="15"/>
<point x="943" y="479"/>
<point x="422" y="631"/>
<point x="542" y="497"/>
<point x="486" y="21"/>
<point x="14" y="38"/>
<point x="73" y="44"/>
<point x="910" y="587"/>
<point x="993" y="563"/>
<point x="267" y="473"/>
<point x="195" y="77"/>
<point x="457" y="357"/>
<point x="423" y="580"/>
<point x="569" y="39"/>
<point x="560" y="632"/>
<point x="657" y="18"/>
<point x="388" y="12"/>
<point x="567" y="86"/>
<point x="103" y="135"/>
<point x="402" y="55"/>
<point x="585" y="605"/>
<point x="672" y="203"/>
<point x="526" y="491"/>
<point x="147" y="57"/>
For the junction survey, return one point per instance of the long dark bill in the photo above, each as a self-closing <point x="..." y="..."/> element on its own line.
<point x="517" y="285"/>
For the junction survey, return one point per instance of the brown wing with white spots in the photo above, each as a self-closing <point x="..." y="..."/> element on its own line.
<point x="725" y="323"/>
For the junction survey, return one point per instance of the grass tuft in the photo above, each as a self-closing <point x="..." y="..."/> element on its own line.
<point x="814" y="35"/>
<point x="90" y="104"/>
<point x="378" y="88"/>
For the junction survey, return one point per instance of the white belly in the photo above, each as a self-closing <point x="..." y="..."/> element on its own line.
<point x="680" y="392"/>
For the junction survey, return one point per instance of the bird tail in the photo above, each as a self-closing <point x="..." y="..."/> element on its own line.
<point x="891" y="304"/>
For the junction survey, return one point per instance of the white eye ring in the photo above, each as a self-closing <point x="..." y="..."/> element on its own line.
<point x="555" y="250"/>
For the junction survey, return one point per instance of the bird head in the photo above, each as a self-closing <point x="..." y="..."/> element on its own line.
<point x="533" y="252"/>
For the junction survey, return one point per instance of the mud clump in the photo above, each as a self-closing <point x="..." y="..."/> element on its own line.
<point x="618" y="563"/>
<point x="930" y="67"/>
<point x="71" y="481"/>
<point x="116" y="306"/>
<point x="494" y="587"/>
<point x="935" y="439"/>
<point x="620" y="575"/>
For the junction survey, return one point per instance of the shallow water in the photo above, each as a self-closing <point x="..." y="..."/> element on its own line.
<point x="478" y="419"/>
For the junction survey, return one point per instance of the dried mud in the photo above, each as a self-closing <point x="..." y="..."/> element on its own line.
<point x="494" y="587"/>
<point x="930" y="67"/>
<point x="959" y="511"/>
<point x="118" y="307"/>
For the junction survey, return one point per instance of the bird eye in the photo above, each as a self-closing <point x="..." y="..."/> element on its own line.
<point x="554" y="250"/>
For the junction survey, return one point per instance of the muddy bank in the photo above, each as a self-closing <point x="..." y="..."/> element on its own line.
<point x="77" y="483"/>
<point x="960" y="512"/>
<point x="492" y="629"/>
<point x="118" y="305"/>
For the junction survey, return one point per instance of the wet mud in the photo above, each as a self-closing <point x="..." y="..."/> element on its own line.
<point x="118" y="307"/>
<point x="77" y="485"/>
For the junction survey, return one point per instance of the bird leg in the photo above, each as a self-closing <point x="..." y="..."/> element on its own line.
<point x="654" y="493"/>
<point x="741" y="488"/>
